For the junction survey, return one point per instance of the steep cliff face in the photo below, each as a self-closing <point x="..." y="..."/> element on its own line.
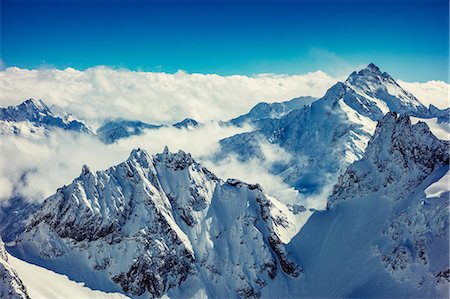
<point x="324" y="138"/>
<point x="151" y="223"/>
<point x="385" y="232"/>
<point x="11" y="286"/>
<point x="401" y="159"/>
<point x="399" y="156"/>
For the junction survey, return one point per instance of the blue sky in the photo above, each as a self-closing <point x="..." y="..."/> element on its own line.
<point x="409" y="39"/>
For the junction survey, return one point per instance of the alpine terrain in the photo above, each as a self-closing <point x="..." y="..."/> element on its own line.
<point x="370" y="164"/>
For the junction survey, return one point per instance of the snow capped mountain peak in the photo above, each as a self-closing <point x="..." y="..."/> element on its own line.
<point x="32" y="110"/>
<point x="382" y="89"/>
<point x="263" y="110"/>
<point x="33" y="105"/>
<point x="371" y="71"/>
<point x="410" y="147"/>
<point x="331" y="133"/>
<point x="140" y="156"/>
<point x="372" y="68"/>
<point x="116" y="129"/>
<point x="399" y="153"/>
<point x="186" y="123"/>
<point x="380" y="223"/>
<point x="34" y="114"/>
<point x="150" y="223"/>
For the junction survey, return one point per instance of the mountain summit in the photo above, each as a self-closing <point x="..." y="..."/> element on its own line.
<point x="331" y="133"/>
<point x="36" y="113"/>
<point x="383" y="235"/>
<point x="152" y="222"/>
<point x="374" y="85"/>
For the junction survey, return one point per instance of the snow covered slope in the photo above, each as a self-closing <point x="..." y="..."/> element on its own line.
<point x="382" y="236"/>
<point x="149" y="224"/>
<point x="331" y="133"/>
<point x="11" y="286"/>
<point x="34" y="117"/>
<point x="43" y="283"/>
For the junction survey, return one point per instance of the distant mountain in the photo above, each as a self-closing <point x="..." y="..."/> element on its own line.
<point x="155" y="223"/>
<point x="331" y="133"/>
<point x="113" y="130"/>
<point x="186" y="123"/>
<point x="31" y="119"/>
<point x="11" y="286"/>
<point x="271" y="110"/>
<point x="34" y="116"/>
<point x="383" y="234"/>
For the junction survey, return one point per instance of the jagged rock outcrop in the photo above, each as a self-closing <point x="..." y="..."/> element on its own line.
<point x="150" y="223"/>
<point x="11" y="286"/>
<point x="383" y="234"/>
<point x="398" y="153"/>
<point x="328" y="135"/>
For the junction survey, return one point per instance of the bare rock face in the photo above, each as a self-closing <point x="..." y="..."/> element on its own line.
<point x="398" y="153"/>
<point x="322" y="139"/>
<point x="399" y="159"/>
<point x="10" y="284"/>
<point x="151" y="223"/>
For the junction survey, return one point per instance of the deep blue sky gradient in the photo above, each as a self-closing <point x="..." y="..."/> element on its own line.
<point x="409" y="39"/>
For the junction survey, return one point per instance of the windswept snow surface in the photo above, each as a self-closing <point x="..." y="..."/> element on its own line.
<point x="11" y="286"/>
<point x="46" y="284"/>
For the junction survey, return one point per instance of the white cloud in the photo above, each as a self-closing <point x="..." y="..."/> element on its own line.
<point x="101" y="92"/>
<point x="55" y="161"/>
<point x="431" y="92"/>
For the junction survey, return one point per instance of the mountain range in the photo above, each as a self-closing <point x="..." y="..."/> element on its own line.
<point x="164" y="225"/>
<point x="329" y="134"/>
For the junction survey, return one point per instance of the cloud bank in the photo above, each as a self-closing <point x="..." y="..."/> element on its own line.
<point x="34" y="168"/>
<point x="101" y="92"/>
<point x="431" y="92"/>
